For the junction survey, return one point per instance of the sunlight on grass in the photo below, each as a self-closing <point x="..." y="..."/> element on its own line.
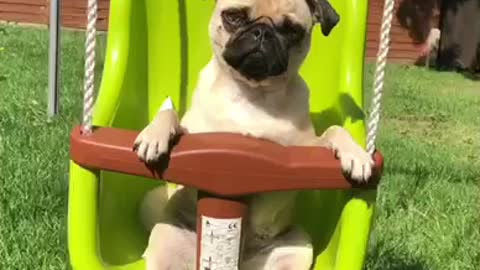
<point x="428" y="210"/>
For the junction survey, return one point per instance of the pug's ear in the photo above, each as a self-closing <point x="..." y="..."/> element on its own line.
<point x="324" y="14"/>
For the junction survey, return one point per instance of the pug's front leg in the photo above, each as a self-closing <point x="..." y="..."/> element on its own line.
<point x="153" y="141"/>
<point x="356" y="162"/>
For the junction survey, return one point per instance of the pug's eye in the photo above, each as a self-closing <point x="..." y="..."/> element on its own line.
<point x="293" y="32"/>
<point x="234" y="19"/>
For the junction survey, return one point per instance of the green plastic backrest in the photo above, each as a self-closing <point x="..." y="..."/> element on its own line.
<point x="156" y="48"/>
<point x="179" y="47"/>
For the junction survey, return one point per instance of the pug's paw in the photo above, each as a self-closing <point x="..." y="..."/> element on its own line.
<point x="357" y="164"/>
<point x="153" y="142"/>
<point x="170" y="248"/>
<point x="292" y="250"/>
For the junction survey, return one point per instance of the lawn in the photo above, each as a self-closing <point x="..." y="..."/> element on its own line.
<point x="428" y="205"/>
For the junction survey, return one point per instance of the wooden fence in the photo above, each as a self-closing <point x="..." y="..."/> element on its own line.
<point x="413" y="20"/>
<point x="411" y="25"/>
<point x="73" y="12"/>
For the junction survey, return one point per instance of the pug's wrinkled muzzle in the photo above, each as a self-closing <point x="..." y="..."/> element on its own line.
<point x="257" y="52"/>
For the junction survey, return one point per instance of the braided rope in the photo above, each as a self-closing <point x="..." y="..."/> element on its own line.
<point x="379" y="77"/>
<point x="89" y="90"/>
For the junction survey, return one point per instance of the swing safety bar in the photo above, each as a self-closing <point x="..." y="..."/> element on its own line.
<point x="217" y="162"/>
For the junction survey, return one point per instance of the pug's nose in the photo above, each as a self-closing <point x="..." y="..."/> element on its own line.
<point x="262" y="32"/>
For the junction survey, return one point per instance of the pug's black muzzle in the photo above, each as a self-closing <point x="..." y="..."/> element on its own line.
<point x="257" y="52"/>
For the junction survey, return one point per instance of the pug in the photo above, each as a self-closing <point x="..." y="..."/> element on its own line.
<point x="251" y="86"/>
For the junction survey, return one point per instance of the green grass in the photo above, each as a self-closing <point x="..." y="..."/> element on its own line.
<point x="428" y="206"/>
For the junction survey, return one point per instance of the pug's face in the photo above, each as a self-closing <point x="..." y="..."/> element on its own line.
<point x="263" y="39"/>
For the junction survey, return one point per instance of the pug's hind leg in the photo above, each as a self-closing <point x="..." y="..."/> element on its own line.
<point x="291" y="251"/>
<point x="170" y="248"/>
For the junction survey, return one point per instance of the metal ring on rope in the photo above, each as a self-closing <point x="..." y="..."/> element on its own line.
<point x="89" y="86"/>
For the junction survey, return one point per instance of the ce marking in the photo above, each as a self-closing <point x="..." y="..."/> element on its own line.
<point x="232" y="226"/>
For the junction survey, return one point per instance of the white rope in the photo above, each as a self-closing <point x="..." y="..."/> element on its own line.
<point x="89" y="90"/>
<point x="379" y="77"/>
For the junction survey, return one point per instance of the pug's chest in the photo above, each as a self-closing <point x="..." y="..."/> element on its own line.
<point x="243" y="118"/>
<point x="270" y="214"/>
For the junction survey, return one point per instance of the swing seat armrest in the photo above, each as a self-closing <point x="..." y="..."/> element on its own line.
<point x="224" y="164"/>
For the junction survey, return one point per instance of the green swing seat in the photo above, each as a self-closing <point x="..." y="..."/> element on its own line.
<point x="156" y="49"/>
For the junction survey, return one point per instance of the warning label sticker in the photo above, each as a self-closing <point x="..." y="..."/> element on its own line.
<point x="220" y="247"/>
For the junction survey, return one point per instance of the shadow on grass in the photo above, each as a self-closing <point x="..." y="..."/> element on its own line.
<point x="473" y="75"/>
